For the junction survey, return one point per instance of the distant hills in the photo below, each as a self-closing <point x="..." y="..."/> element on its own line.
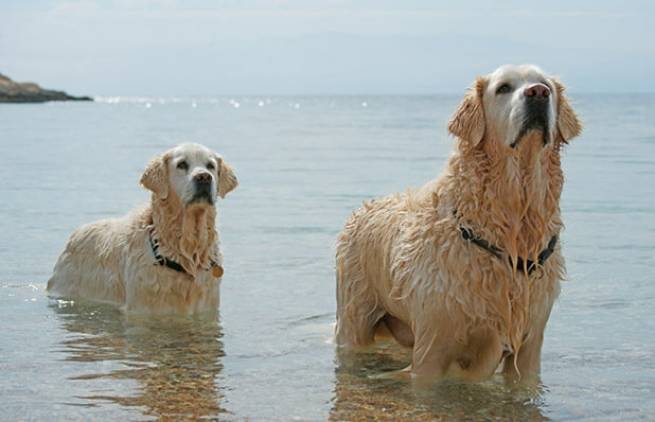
<point x="29" y="92"/>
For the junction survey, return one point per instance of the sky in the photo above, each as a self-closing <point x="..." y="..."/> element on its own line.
<point x="289" y="47"/>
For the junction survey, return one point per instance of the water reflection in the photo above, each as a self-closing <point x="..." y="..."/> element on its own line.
<point x="361" y="393"/>
<point x="164" y="367"/>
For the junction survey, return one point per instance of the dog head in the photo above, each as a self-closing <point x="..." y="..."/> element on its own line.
<point x="192" y="172"/>
<point x="512" y="103"/>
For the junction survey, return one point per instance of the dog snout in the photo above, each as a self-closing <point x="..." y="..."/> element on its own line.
<point x="203" y="178"/>
<point x="537" y="92"/>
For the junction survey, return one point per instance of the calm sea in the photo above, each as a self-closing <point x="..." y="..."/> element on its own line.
<point x="304" y="163"/>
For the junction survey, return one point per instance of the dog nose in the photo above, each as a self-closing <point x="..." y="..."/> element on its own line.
<point x="202" y="178"/>
<point x="537" y="91"/>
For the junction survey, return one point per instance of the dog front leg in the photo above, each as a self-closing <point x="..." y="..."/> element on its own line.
<point x="431" y="355"/>
<point x="528" y="360"/>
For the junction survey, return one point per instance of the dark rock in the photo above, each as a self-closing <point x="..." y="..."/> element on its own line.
<point x="28" y="92"/>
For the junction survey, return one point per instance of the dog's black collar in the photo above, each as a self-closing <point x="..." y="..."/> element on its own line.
<point x="521" y="264"/>
<point x="167" y="262"/>
<point x="162" y="260"/>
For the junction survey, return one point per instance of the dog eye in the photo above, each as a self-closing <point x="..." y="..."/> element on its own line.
<point x="182" y="165"/>
<point x="504" y="89"/>
<point x="210" y="166"/>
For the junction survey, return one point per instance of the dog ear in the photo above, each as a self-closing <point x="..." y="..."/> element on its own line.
<point x="227" y="180"/>
<point x="468" y="122"/>
<point x="155" y="176"/>
<point x="568" y="124"/>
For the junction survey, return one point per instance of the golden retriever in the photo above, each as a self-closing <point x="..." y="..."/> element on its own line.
<point x="164" y="257"/>
<point x="465" y="270"/>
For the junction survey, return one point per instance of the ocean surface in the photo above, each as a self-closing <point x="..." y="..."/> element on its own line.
<point x="304" y="163"/>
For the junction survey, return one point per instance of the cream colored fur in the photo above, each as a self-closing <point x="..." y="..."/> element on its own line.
<point x="112" y="260"/>
<point x="403" y="265"/>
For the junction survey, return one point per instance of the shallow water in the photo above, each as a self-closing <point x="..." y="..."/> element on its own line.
<point x="304" y="163"/>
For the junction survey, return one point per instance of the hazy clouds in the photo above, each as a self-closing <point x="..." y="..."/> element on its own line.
<point x="320" y="47"/>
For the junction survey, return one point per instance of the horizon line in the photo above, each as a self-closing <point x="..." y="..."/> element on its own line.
<point x="319" y="94"/>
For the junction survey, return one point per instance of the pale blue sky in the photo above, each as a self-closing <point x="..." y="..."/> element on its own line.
<point x="193" y="47"/>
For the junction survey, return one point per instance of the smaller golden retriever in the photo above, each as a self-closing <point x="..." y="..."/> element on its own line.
<point x="465" y="270"/>
<point x="162" y="258"/>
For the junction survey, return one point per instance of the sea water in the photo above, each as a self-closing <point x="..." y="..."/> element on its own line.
<point x="304" y="163"/>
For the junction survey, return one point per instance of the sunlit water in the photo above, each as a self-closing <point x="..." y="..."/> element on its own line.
<point x="304" y="163"/>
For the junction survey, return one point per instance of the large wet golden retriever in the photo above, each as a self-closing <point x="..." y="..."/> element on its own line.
<point x="164" y="257"/>
<point x="465" y="270"/>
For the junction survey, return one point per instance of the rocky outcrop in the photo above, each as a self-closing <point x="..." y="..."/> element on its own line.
<point x="28" y="92"/>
